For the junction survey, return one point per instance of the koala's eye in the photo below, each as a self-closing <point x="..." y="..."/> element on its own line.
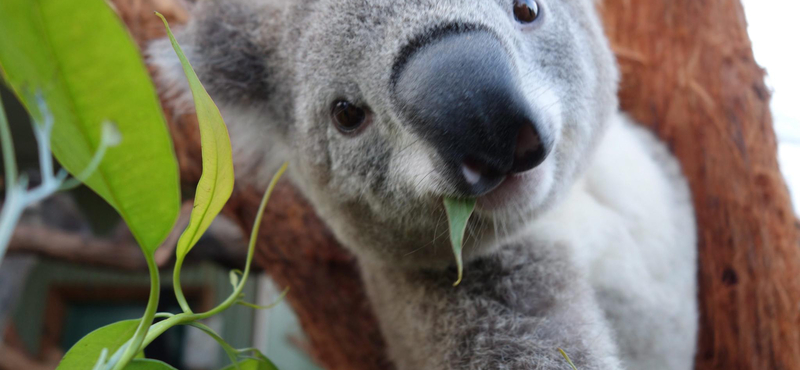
<point x="526" y="11"/>
<point x="347" y="116"/>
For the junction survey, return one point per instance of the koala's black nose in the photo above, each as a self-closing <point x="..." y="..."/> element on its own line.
<point x="460" y="93"/>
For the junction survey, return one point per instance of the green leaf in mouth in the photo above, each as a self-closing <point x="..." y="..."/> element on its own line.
<point x="458" y="213"/>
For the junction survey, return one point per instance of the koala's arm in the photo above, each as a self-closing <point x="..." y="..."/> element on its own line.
<point x="513" y="310"/>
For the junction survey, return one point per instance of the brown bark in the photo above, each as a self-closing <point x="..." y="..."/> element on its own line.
<point x="118" y="252"/>
<point x="298" y="251"/>
<point x="689" y="74"/>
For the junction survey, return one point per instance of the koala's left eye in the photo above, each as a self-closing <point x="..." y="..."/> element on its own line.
<point x="348" y="117"/>
<point x="526" y="11"/>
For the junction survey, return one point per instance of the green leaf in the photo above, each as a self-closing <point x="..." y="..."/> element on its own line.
<point x="84" y="354"/>
<point x="80" y="57"/>
<point x="569" y="361"/>
<point x="233" y="276"/>
<point x="147" y="364"/>
<point x="458" y="213"/>
<point x="253" y="364"/>
<point x="216" y="182"/>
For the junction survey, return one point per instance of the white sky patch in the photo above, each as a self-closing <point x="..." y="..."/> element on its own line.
<point x="774" y="30"/>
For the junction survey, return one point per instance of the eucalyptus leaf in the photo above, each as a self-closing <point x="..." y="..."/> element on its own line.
<point x="458" y="214"/>
<point x="147" y="364"/>
<point x="233" y="276"/>
<point x="81" y="58"/>
<point x="216" y="182"/>
<point x="566" y="357"/>
<point x="253" y="364"/>
<point x="84" y="354"/>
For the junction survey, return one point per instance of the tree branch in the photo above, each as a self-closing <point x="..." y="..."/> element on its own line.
<point x="77" y="248"/>
<point x="120" y="251"/>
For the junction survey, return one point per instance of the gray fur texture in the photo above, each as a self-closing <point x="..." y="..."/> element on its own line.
<point x="593" y="251"/>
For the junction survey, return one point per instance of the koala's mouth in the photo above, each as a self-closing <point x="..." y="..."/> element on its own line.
<point x="512" y="190"/>
<point x="484" y="173"/>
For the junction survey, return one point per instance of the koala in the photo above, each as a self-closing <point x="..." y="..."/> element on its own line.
<point x="583" y="238"/>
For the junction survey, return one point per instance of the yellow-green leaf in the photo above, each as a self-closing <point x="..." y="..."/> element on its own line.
<point x="458" y="213"/>
<point x="148" y="364"/>
<point x="566" y="357"/>
<point x="84" y="354"/>
<point x="253" y="364"/>
<point x="216" y="182"/>
<point x="78" y="55"/>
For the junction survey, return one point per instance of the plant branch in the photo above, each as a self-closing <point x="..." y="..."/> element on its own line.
<point x="176" y="286"/>
<point x="18" y="197"/>
<point x="183" y="318"/>
<point x="120" y="252"/>
<point x="42" y="131"/>
<point x="77" y="248"/>
<point x="230" y="351"/>
<point x="135" y="344"/>
<point x="250" y="248"/>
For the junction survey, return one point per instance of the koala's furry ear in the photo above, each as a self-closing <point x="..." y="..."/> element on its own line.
<point x="230" y="44"/>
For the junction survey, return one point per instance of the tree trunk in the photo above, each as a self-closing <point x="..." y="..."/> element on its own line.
<point x="689" y="74"/>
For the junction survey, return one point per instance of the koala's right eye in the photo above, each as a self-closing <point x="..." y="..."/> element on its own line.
<point x="347" y="117"/>
<point x="526" y="11"/>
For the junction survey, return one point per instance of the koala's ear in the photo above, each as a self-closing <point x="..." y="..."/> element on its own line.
<point x="230" y="45"/>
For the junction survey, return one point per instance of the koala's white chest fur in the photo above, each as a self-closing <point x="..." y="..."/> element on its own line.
<point x="630" y="227"/>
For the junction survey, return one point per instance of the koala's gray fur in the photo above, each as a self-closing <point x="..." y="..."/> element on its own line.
<point x="596" y="255"/>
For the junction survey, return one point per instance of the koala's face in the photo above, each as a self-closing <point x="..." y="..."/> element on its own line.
<point x="397" y="104"/>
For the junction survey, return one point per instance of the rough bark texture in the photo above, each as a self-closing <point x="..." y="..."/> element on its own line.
<point x="689" y="74"/>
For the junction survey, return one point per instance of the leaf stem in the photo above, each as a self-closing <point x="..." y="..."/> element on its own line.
<point x="9" y="159"/>
<point x="11" y="212"/>
<point x="188" y="318"/>
<point x="42" y="132"/>
<point x="144" y="326"/>
<point x="12" y="209"/>
<point x="176" y="285"/>
<point x="183" y="318"/>
<point x="267" y="307"/>
<point x="230" y="351"/>
<point x="250" y="249"/>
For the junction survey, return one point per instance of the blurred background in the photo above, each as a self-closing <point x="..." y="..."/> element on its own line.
<point x="773" y="31"/>
<point x="73" y="267"/>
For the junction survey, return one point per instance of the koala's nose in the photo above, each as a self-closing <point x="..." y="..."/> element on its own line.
<point x="459" y="92"/>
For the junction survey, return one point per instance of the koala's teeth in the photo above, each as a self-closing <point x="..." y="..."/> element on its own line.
<point x="471" y="175"/>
